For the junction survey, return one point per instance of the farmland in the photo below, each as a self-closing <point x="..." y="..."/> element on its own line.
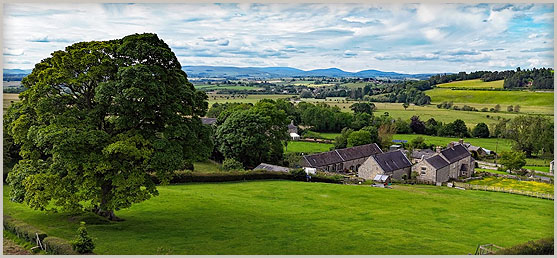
<point x="514" y="184"/>
<point x="523" y="98"/>
<point x="488" y="143"/>
<point x="284" y="217"/>
<point x="473" y="84"/>
<point x="307" y="147"/>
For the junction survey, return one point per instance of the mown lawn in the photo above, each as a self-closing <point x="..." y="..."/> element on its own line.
<point x="307" y="147"/>
<point x="286" y="217"/>
<point x="477" y="84"/>
<point x="507" y="183"/>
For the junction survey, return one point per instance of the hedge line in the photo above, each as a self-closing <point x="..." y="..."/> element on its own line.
<point x="542" y="246"/>
<point x="27" y="232"/>
<point x="190" y="177"/>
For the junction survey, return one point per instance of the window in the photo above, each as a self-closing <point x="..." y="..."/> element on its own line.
<point x="352" y="168"/>
<point x="424" y="168"/>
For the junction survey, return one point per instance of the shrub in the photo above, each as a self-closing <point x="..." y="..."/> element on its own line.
<point x="298" y="173"/>
<point x="232" y="164"/>
<point x="23" y="230"/>
<point x="55" y="245"/>
<point x="83" y="243"/>
<point x="542" y="246"/>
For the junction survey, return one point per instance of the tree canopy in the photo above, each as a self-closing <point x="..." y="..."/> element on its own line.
<point x="97" y="118"/>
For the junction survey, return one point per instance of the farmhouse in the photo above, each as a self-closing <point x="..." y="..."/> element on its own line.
<point x="394" y="164"/>
<point x="342" y="159"/>
<point x="450" y="163"/>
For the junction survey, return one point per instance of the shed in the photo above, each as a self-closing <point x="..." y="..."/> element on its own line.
<point x="382" y="178"/>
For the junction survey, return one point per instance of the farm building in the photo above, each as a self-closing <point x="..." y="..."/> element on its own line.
<point x="450" y="163"/>
<point x="341" y="160"/>
<point x="418" y="155"/>
<point x="476" y="151"/>
<point x="393" y="163"/>
<point x="269" y="167"/>
<point x="292" y="128"/>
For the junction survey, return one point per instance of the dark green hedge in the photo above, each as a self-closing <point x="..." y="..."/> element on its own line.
<point x="542" y="246"/>
<point x="189" y="177"/>
<point x="23" y="230"/>
<point x="55" y="245"/>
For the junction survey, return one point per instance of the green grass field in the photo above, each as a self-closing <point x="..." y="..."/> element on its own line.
<point x="207" y="87"/>
<point x="476" y="84"/>
<point x="286" y="217"/>
<point x="488" y="143"/>
<point x="307" y="147"/>
<point x="507" y="183"/>
<point x="523" y="98"/>
<point x="537" y="168"/>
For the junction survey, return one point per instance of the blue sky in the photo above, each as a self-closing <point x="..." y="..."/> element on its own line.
<point x="409" y="38"/>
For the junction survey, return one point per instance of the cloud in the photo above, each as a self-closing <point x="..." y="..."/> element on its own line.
<point x="393" y="37"/>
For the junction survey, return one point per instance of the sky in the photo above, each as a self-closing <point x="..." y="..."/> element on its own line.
<point x="407" y="38"/>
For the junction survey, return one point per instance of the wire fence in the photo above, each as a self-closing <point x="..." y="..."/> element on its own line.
<point x="504" y="190"/>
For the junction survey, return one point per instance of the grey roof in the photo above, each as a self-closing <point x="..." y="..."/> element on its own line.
<point x="338" y="156"/>
<point x="269" y="167"/>
<point x="455" y="153"/>
<point x="437" y="162"/>
<point x="291" y="125"/>
<point x="418" y="154"/>
<point x="208" y="120"/>
<point x="391" y="161"/>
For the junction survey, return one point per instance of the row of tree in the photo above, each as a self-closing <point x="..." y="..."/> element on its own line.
<point x="535" y="78"/>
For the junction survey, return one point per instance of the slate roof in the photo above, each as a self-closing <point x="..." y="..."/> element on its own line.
<point x="291" y="125"/>
<point x="338" y="156"/>
<point x="208" y="120"/>
<point x="391" y="161"/>
<point x="269" y="167"/>
<point x="417" y="154"/>
<point x="437" y="162"/>
<point x="455" y="153"/>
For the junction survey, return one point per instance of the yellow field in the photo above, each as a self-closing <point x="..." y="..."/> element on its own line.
<point x="476" y="84"/>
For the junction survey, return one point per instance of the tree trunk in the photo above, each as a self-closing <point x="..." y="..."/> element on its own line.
<point x="101" y="210"/>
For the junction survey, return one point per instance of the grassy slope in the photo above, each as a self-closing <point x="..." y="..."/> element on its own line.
<point x="307" y="147"/>
<point x="531" y="186"/>
<point x="523" y="98"/>
<point x="282" y="217"/>
<point x="489" y="143"/>
<point x="478" y="84"/>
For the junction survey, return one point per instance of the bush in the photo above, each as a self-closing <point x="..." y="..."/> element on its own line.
<point x="55" y="245"/>
<point x="542" y="246"/>
<point x="298" y="173"/>
<point x="232" y="164"/>
<point x="83" y="243"/>
<point x="23" y="230"/>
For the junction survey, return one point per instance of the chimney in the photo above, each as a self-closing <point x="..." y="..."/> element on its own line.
<point x="438" y="149"/>
<point x="461" y="141"/>
<point x="451" y="144"/>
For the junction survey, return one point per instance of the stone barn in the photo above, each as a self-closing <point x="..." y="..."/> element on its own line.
<point x="450" y="163"/>
<point x="348" y="159"/>
<point x="434" y="169"/>
<point x="393" y="163"/>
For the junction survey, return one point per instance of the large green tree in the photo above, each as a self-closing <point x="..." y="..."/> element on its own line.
<point x="532" y="134"/>
<point x="97" y="118"/>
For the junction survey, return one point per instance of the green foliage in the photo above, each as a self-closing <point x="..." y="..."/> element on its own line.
<point x="299" y="174"/>
<point x="357" y="138"/>
<point x="55" y="245"/>
<point x="513" y="160"/>
<point x="532" y="134"/>
<point x="83" y="243"/>
<point x="96" y="117"/>
<point x="481" y="131"/>
<point x="232" y="164"/>
<point x="418" y="143"/>
<point x="455" y="129"/>
<point x="367" y="108"/>
<point x="544" y="246"/>
<point x="341" y="141"/>
<point x="417" y="125"/>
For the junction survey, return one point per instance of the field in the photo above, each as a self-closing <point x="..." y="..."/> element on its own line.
<point x="8" y="98"/>
<point x="285" y="217"/>
<point x="507" y="183"/>
<point x="493" y="144"/>
<point x="207" y="87"/>
<point x="307" y="147"/>
<point x="523" y="98"/>
<point x="473" y="84"/>
<point x="537" y="168"/>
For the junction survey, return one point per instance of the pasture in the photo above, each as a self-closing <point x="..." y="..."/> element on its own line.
<point x="522" y="98"/>
<point x="307" y="147"/>
<point x="208" y="87"/>
<point x="287" y="217"/>
<point x="514" y="184"/>
<point x="493" y="144"/>
<point x="473" y="84"/>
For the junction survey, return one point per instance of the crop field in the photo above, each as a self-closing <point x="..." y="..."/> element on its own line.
<point x="287" y="217"/>
<point x="475" y="84"/>
<point x="355" y="85"/>
<point x="8" y="98"/>
<point x="222" y="98"/>
<point x="507" y="183"/>
<point x="307" y="147"/>
<point x="523" y="98"/>
<point x="488" y="143"/>
<point x="207" y="87"/>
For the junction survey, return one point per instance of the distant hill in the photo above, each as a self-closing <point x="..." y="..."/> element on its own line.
<point x="274" y="72"/>
<point x="259" y="72"/>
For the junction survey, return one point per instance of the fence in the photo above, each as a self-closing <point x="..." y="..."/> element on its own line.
<point x="504" y="190"/>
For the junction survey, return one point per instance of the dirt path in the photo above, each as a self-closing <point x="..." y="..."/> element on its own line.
<point x="11" y="248"/>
